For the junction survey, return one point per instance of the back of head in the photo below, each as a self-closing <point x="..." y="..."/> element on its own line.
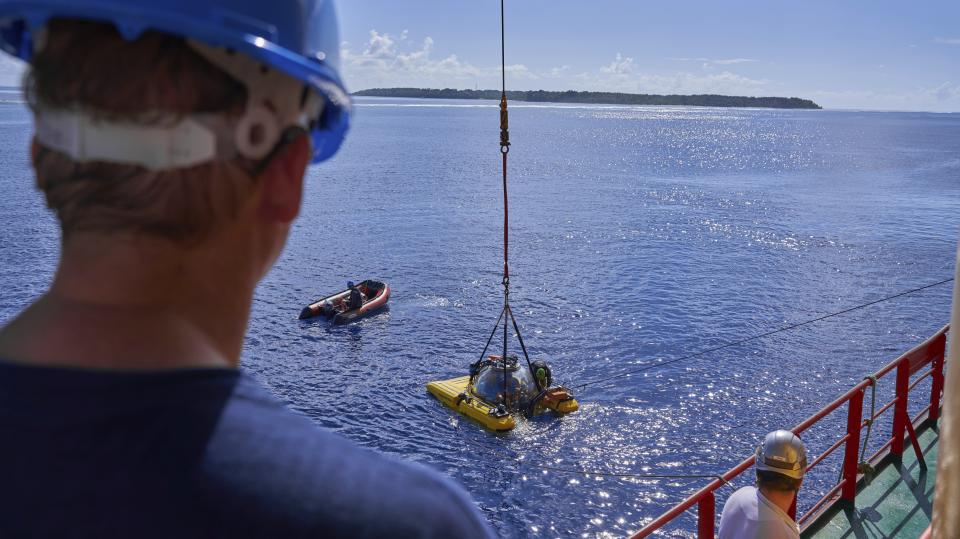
<point x="155" y="118"/>
<point x="781" y="461"/>
<point x="89" y="66"/>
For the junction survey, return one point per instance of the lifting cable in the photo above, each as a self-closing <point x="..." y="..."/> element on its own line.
<point x="650" y="366"/>
<point x="504" y="150"/>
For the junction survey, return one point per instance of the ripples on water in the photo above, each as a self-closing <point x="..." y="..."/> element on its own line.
<point x="638" y="234"/>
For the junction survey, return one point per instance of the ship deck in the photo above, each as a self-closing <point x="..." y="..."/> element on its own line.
<point x="897" y="500"/>
<point x="897" y="503"/>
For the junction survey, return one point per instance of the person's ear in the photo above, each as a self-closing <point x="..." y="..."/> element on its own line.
<point x="36" y="155"/>
<point x="282" y="181"/>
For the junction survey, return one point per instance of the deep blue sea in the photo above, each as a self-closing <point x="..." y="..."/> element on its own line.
<point x="638" y="234"/>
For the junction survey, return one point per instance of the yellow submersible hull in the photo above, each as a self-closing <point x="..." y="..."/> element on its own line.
<point x="453" y="393"/>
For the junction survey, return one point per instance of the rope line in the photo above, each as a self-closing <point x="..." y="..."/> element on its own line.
<point x="492" y="333"/>
<point x="623" y="475"/>
<point x="863" y="466"/>
<point x="630" y="475"/>
<point x="873" y="408"/>
<point x="650" y="366"/>
<point x="507" y="313"/>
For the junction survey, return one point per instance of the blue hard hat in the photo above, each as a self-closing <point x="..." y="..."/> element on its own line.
<point x="349" y="284"/>
<point x="297" y="37"/>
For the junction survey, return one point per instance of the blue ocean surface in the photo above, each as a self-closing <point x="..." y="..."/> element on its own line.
<point x="638" y="235"/>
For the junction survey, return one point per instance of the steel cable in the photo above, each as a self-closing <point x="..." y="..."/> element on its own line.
<point x="651" y="366"/>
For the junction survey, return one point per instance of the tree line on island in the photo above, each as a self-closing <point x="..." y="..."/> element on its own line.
<point x="606" y="98"/>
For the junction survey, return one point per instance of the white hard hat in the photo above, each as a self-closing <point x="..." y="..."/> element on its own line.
<point x="782" y="452"/>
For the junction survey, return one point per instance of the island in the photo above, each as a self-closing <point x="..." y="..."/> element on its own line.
<point x="607" y="98"/>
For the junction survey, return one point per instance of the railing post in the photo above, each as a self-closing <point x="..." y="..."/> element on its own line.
<point x="706" y="515"/>
<point x="900" y="408"/>
<point x="852" y="448"/>
<point x="936" y="386"/>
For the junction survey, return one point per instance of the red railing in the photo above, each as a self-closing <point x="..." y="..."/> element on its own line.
<point x="930" y="352"/>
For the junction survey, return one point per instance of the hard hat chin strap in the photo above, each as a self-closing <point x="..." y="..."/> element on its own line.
<point x="174" y="143"/>
<point x="276" y="103"/>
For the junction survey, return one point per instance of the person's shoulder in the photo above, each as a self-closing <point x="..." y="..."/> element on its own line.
<point x="739" y="517"/>
<point x="742" y="504"/>
<point x="418" y="502"/>
<point x="276" y="466"/>
<point x="743" y="495"/>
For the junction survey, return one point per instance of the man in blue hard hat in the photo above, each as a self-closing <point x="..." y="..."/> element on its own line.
<point x="762" y="512"/>
<point x="171" y="142"/>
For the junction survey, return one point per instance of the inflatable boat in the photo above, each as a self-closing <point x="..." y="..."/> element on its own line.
<point x="336" y="308"/>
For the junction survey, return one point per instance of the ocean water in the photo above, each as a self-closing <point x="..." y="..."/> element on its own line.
<point x="638" y="234"/>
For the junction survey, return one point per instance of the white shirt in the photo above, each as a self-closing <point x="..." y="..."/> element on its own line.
<point x="749" y="515"/>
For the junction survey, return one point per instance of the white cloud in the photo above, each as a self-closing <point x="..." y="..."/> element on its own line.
<point x="947" y="40"/>
<point x="946" y="92"/>
<point x="385" y="61"/>
<point x="379" y="46"/>
<point x="734" y="61"/>
<point x="619" y="66"/>
<point x="944" y="97"/>
<point x="621" y="76"/>
<point x="707" y="62"/>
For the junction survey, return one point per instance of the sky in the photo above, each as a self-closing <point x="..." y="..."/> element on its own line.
<point x="857" y="54"/>
<point x="876" y="55"/>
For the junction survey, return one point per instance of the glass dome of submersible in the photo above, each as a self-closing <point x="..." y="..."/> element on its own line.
<point x="488" y="383"/>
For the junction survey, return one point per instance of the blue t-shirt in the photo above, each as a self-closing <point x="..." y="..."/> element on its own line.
<point x="198" y="453"/>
